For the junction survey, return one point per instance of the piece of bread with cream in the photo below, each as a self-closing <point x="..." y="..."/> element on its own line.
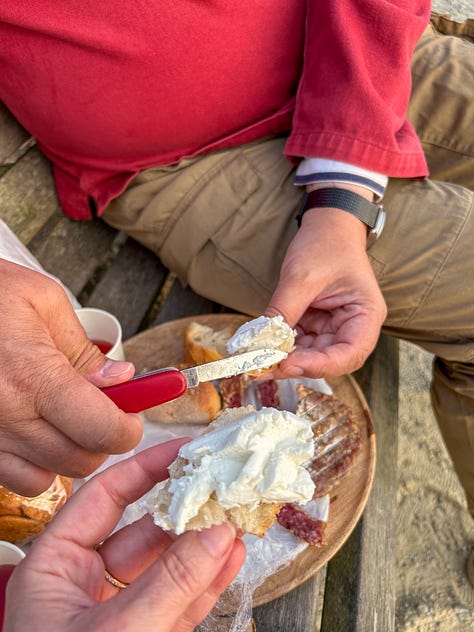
<point x="245" y="466"/>
<point x="204" y="344"/>
<point x="262" y="333"/>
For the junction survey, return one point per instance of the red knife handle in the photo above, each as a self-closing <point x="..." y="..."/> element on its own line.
<point x="148" y="390"/>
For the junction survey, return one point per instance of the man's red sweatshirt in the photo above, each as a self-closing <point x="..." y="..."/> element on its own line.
<point x="111" y="88"/>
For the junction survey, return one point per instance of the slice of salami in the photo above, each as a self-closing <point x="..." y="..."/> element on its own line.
<point x="315" y="405"/>
<point x="231" y="390"/>
<point x="301" y="523"/>
<point x="267" y="393"/>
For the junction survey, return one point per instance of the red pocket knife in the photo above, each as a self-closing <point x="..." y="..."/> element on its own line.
<point x="157" y="387"/>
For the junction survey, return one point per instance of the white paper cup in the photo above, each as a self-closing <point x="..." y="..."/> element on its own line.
<point x="10" y="553"/>
<point x="104" y="329"/>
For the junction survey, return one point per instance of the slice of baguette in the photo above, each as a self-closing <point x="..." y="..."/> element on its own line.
<point x="203" y="344"/>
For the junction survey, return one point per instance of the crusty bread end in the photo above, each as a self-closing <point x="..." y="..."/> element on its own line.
<point x="203" y="344"/>
<point x="198" y="405"/>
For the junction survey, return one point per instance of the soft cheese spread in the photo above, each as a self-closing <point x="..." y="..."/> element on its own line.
<point x="260" y="333"/>
<point x="258" y="458"/>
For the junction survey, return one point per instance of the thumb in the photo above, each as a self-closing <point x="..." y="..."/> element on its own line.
<point x="170" y="588"/>
<point x="70" y="338"/>
<point x="290" y="301"/>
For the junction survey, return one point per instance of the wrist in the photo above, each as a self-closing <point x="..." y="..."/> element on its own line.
<point x="371" y="216"/>
<point x="335" y="229"/>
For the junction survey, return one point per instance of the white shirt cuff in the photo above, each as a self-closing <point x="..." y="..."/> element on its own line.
<point x="313" y="170"/>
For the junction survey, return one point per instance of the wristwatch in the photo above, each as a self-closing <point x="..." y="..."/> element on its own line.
<point x="369" y="213"/>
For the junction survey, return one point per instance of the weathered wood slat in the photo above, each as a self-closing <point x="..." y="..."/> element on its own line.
<point x="360" y="585"/>
<point x="129" y="286"/>
<point x="12" y="135"/>
<point x="183" y="302"/>
<point x="73" y="250"/>
<point x="27" y="195"/>
<point x="297" y="611"/>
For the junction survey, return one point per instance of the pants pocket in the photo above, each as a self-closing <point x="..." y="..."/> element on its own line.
<point x="207" y="206"/>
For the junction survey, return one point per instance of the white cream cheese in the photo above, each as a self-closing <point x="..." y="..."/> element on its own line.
<point x="262" y="332"/>
<point x="258" y="458"/>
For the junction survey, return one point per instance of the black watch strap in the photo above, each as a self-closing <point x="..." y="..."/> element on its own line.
<point x="343" y="199"/>
<point x="370" y="214"/>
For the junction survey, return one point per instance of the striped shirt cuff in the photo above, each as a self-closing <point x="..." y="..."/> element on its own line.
<point x="313" y="170"/>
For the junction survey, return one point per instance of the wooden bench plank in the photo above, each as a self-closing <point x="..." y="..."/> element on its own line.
<point x="297" y="611"/>
<point x="12" y="136"/>
<point x="73" y="250"/>
<point x="182" y="301"/>
<point x="360" y="585"/>
<point x="129" y="287"/>
<point x="27" y="194"/>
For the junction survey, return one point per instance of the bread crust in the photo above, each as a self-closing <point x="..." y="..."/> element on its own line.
<point x="22" y="518"/>
<point x="203" y="344"/>
<point x="199" y="405"/>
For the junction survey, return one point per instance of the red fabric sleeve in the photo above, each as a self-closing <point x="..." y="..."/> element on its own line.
<point x="355" y="86"/>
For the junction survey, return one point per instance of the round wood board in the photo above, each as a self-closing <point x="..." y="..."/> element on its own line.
<point x="163" y="346"/>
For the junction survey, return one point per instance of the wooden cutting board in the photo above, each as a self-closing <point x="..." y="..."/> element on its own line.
<point x="163" y="346"/>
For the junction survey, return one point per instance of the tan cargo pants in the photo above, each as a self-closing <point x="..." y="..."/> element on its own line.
<point x="223" y="222"/>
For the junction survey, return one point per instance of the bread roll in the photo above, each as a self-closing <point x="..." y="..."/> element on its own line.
<point x="22" y="518"/>
<point x="198" y="405"/>
<point x="203" y="344"/>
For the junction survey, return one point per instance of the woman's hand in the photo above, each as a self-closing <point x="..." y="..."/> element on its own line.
<point x="173" y="584"/>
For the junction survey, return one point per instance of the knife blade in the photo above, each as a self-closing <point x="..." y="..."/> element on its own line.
<point x="163" y="385"/>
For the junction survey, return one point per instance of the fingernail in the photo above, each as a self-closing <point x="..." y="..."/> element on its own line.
<point x="293" y="371"/>
<point x="114" y="368"/>
<point x="268" y="375"/>
<point x="217" y="539"/>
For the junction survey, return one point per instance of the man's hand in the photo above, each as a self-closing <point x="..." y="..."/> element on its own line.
<point x="53" y="418"/>
<point x="173" y="585"/>
<point x="328" y="291"/>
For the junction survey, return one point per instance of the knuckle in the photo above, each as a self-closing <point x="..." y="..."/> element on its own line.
<point x="105" y="437"/>
<point x="19" y="477"/>
<point x="86" y="358"/>
<point x="184" y="574"/>
<point x="48" y="385"/>
<point x="115" y="434"/>
<point x="359" y="361"/>
<point x="83" y="465"/>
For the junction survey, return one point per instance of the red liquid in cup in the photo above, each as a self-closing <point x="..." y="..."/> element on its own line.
<point x="103" y="345"/>
<point x="5" y="571"/>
